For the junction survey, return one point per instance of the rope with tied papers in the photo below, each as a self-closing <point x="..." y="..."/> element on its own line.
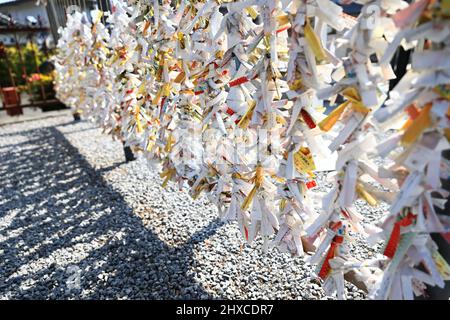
<point x="231" y="98"/>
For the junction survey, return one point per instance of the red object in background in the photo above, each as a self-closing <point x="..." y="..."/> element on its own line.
<point x="11" y="101"/>
<point x="34" y="77"/>
<point x="308" y="119"/>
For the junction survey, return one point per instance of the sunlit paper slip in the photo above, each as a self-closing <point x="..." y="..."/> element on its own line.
<point x="421" y="118"/>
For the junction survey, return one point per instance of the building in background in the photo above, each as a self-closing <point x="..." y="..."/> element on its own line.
<point x="25" y="15"/>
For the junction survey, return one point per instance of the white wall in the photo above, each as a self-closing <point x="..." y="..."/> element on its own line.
<point x="19" y="12"/>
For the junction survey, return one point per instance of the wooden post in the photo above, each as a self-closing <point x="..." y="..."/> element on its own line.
<point x="24" y="69"/>
<point x="76" y="116"/>
<point x="129" y="156"/>
<point x="11" y="75"/>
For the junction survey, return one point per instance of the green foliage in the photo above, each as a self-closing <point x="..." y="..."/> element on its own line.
<point x="16" y="66"/>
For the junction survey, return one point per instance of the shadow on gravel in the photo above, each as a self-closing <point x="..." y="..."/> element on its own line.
<point x="65" y="233"/>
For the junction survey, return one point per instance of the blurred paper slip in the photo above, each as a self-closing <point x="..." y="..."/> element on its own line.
<point x="410" y="14"/>
<point x="348" y="20"/>
<point x="383" y="292"/>
<point x="442" y="265"/>
<point x="438" y="59"/>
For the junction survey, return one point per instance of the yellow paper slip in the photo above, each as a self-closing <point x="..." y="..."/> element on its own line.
<point x="352" y="95"/>
<point x="328" y="123"/>
<point x="422" y="122"/>
<point x="245" y="120"/>
<point x="170" y="143"/>
<point x="252" y="12"/>
<point x="366" y="195"/>
<point x="314" y="42"/>
<point x="167" y="174"/>
<point x="258" y="179"/>
<point x="303" y="160"/>
<point x="282" y="20"/>
<point x="441" y="265"/>
<point x="138" y="120"/>
<point x="354" y="99"/>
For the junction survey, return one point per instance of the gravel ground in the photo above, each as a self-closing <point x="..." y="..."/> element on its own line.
<point x="77" y="222"/>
